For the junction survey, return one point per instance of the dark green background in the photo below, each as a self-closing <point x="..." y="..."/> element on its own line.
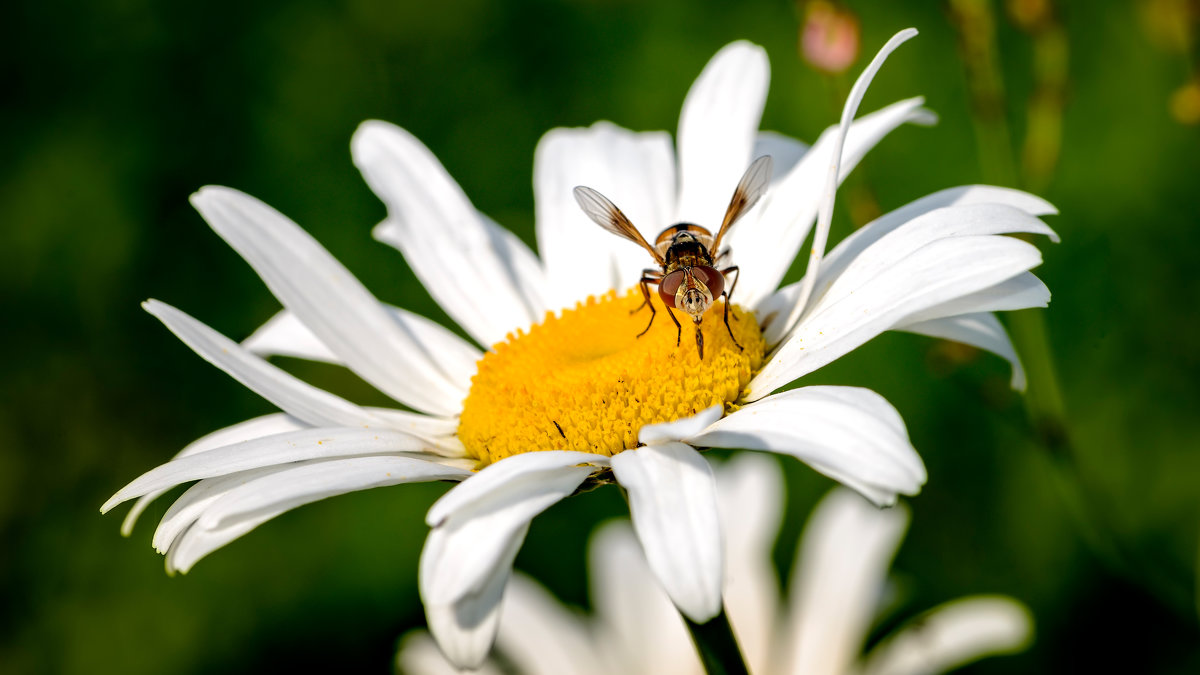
<point x="116" y="111"/>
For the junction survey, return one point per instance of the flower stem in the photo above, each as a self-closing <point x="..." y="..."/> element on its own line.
<point x="716" y="645"/>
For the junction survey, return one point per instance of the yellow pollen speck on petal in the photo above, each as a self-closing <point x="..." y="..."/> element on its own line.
<point x="585" y="381"/>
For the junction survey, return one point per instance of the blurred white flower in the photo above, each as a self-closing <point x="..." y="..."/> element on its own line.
<point x="576" y="385"/>
<point x="837" y="587"/>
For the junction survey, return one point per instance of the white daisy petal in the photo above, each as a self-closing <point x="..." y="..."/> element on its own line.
<point x="952" y="635"/>
<point x="465" y="628"/>
<point x="944" y="223"/>
<point x="298" y="485"/>
<point x="269" y="451"/>
<point x="680" y="428"/>
<point x="334" y="305"/>
<point x="840" y="568"/>
<point x="935" y="274"/>
<point x="772" y="233"/>
<point x="636" y="618"/>
<point x="285" y="335"/>
<point x="215" y="511"/>
<point x="541" y="636"/>
<point x="982" y="330"/>
<point x="508" y="475"/>
<point x="273" y="490"/>
<point x="195" y="500"/>
<point x="1023" y="291"/>
<point x="750" y="497"/>
<point x="438" y="429"/>
<point x="832" y="176"/>
<point x="839" y="431"/>
<point x="717" y="129"/>
<point x="778" y="311"/>
<point x="636" y="171"/>
<point x="297" y="398"/>
<point x="419" y="654"/>
<point x="467" y="544"/>
<point x="257" y="427"/>
<point x="673" y="503"/>
<point x="480" y="273"/>
<point x="946" y="202"/>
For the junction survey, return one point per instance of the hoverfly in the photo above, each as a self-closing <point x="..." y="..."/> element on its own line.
<point x="688" y="255"/>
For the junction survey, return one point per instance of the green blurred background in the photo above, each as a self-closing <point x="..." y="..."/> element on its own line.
<point x="115" y="111"/>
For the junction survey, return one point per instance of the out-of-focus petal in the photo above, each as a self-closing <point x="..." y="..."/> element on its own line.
<point x="634" y="615"/>
<point x="541" y="636"/>
<point x="419" y="654"/>
<point x="952" y="635"/>
<point x="750" y="497"/>
<point x="837" y="578"/>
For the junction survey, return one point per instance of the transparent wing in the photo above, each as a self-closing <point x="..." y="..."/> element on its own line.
<point x="750" y="189"/>
<point x="607" y="215"/>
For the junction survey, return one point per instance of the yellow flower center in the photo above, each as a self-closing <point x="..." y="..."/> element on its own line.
<point x="585" y="381"/>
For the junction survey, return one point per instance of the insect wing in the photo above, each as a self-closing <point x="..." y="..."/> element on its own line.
<point x="607" y="215"/>
<point x="750" y="189"/>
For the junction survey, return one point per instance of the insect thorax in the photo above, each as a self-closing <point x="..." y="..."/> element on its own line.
<point x="686" y="251"/>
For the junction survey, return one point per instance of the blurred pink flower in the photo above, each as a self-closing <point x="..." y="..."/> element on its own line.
<point x="829" y="39"/>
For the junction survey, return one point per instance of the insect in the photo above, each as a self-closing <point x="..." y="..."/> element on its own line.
<point x="688" y="255"/>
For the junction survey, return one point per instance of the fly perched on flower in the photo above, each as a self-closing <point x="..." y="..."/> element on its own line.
<point x="565" y="393"/>
<point x="688" y="254"/>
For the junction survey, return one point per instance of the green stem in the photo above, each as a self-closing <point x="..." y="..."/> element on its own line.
<point x="716" y="645"/>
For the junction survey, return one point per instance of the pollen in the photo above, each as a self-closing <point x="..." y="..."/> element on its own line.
<point x="584" y="381"/>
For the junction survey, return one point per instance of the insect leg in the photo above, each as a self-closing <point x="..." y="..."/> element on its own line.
<point x="727" y="328"/>
<point x="647" y="274"/>
<point x="732" y="269"/>
<point x="644" y="284"/>
<point x="678" y="328"/>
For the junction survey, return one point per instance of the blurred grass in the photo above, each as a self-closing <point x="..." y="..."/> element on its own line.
<point x="116" y="111"/>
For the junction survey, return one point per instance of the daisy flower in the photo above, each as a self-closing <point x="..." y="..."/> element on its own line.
<point x="566" y="393"/>
<point x="838" y="589"/>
